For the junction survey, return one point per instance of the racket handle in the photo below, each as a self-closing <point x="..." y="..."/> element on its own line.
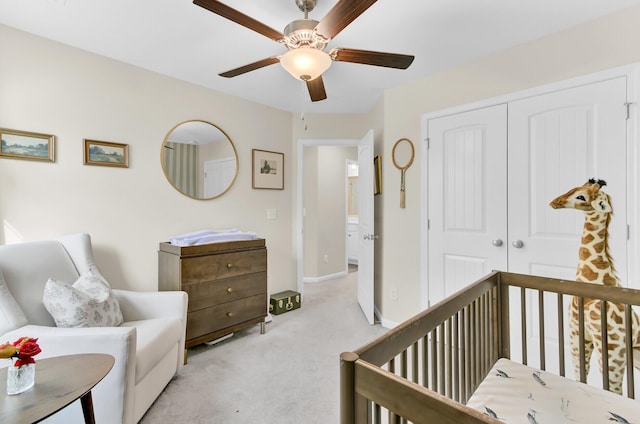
<point x="402" y="199"/>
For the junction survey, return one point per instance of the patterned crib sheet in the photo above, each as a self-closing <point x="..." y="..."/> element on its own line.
<point x="516" y="393"/>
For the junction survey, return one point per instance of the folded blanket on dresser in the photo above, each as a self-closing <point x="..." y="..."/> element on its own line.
<point x="211" y="236"/>
<point x="516" y="393"/>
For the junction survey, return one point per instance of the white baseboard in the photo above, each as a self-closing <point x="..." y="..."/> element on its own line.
<point x="384" y="322"/>
<point x="324" y="277"/>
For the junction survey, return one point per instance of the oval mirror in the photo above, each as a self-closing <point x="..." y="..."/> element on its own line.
<point x="199" y="159"/>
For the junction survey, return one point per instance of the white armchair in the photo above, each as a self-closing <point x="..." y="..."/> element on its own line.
<point x="148" y="347"/>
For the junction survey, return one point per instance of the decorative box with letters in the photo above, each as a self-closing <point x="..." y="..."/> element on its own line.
<point x="284" y="302"/>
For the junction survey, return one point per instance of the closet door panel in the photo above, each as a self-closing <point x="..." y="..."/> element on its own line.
<point x="467" y="198"/>
<point x="558" y="141"/>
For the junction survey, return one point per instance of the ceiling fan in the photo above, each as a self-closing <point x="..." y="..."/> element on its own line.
<point x="306" y="40"/>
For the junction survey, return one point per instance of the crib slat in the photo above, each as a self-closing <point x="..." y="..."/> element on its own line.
<point x="629" y="345"/>
<point x="392" y="369"/>
<point x="561" y="333"/>
<point x="583" y="371"/>
<point x="604" y="332"/>
<point x="434" y="361"/>
<point x="471" y="351"/>
<point x="483" y="335"/>
<point x="466" y="354"/>
<point x="456" y="358"/>
<point x="523" y="319"/>
<point x="403" y="364"/>
<point x="543" y="361"/>
<point x="488" y="322"/>
<point x="449" y="353"/>
<point x="441" y="360"/>
<point x="425" y="361"/>
<point x="414" y="363"/>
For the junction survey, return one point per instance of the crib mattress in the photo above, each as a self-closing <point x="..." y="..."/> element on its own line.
<point x="516" y="393"/>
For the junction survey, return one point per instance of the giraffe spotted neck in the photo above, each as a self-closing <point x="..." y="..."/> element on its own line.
<point x="595" y="264"/>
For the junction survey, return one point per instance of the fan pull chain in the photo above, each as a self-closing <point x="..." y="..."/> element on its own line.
<point x="302" y="104"/>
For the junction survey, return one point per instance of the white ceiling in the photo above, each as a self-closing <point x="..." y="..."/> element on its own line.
<point x="185" y="41"/>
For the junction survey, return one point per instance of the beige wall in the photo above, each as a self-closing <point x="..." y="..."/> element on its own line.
<point x="51" y="88"/>
<point x="598" y="45"/>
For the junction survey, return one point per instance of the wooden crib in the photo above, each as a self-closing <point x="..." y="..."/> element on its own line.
<point x="426" y="369"/>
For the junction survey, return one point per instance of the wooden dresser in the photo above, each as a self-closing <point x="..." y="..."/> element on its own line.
<point x="226" y="283"/>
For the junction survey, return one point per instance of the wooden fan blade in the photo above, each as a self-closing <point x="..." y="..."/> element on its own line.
<point x="342" y="14"/>
<point x="239" y="18"/>
<point x="316" y="89"/>
<point x="250" y="67"/>
<point x="388" y="60"/>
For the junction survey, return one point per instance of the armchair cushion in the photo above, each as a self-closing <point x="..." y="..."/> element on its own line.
<point x="154" y="338"/>
<point x="86" y="303"/>
<point x="11" y="315"/>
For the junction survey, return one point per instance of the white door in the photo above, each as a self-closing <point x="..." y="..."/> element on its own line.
<point x="467" y="198"/>
<point x="366" y="235"/>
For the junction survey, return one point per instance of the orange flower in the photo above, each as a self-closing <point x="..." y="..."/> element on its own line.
<point x="7" y="350"/>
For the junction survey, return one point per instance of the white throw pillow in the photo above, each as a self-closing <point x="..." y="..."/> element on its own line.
<point x="11" y="314"/>
<point x="87" y="303"/>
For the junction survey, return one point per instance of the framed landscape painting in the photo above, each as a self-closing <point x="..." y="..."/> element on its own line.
<point x="268" y="170"/>
<point x="27" y="145"/>
<point x="105" y="153"/>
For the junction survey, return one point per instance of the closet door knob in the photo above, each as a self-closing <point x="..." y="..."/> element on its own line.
<point x="496" y="242"/>
<point x="518" y="244"/>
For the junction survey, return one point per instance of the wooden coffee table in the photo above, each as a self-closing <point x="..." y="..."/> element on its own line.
<point x="59" y="382"/>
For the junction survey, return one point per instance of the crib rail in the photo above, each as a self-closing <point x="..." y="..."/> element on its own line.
<point x="608" y="297"/>
<point x="425" y="370"/>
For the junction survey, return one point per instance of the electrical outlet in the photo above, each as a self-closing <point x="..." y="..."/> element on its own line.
<point x="394" y="293"/>
<point x="326" y="259"/>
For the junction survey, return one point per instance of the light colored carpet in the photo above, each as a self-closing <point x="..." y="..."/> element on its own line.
<point x="288" y="375"/>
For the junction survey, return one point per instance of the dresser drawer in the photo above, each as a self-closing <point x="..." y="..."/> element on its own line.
<point x="217" y="317"/>
<point x="226" y="265"/>
<point x="226" y="290"/>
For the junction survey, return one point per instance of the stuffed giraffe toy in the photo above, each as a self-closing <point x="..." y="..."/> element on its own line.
<point x="596" y="266"/>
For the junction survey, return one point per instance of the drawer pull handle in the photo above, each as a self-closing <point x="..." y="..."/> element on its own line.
<point x="229" y="289"/>
<point x="229" y="314"/>
<point x="229" y="266"/>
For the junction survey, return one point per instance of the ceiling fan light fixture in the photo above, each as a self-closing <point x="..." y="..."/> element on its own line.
<point x="305" y="63"/>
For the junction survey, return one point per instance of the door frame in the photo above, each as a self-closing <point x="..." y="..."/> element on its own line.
<point x="632" y="73"/>
<point x="301" y="144"/>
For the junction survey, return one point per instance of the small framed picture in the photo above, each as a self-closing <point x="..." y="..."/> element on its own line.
<point x="268" y="170"/>
<point x="377" y="172"/>
<point x="27" y="145"/>
<point x="105" y="153"/>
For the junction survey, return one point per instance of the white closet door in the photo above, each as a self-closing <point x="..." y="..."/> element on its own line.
<point x="558" y="141"/>
<point x="467" y="198"/>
